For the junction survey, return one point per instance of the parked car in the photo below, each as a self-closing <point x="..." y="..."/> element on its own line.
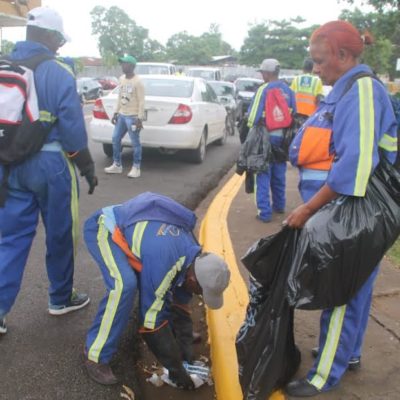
<point x="108" y="82"/>
<point x="225" y="92"/>
<point x="207" y="73"/>
<point x="149" y="68"/>
<point x="88" y="89"/>
<point x="182" y="113"/>
<point x="245" y="89"/>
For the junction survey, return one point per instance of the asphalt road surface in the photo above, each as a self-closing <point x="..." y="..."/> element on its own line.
<point x="40" y="356"/>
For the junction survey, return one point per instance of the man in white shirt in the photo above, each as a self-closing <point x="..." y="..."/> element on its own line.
<point x="128" y="117"/>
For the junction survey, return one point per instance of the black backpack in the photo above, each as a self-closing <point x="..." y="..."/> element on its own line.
<point x="21" y="132"/>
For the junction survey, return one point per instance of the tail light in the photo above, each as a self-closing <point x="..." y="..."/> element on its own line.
<point x="99" y="111"/>
<point x="183" y="115"/>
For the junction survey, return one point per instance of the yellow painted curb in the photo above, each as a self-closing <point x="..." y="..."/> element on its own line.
<point x="223" y="324"/>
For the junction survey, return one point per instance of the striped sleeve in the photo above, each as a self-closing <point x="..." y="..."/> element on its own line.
<point x="256" y="108"/>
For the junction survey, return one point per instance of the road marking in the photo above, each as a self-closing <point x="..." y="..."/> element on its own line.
<point x="223" y="324"/>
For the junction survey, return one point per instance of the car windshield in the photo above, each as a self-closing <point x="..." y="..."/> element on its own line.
<point x="247" y="86"/>
<point x="201" y="73"/>
<point x="81" y="83"/>
<point x="222" y="89"/>
<point x="152" y="69"/>
<point x="168" y="87"/>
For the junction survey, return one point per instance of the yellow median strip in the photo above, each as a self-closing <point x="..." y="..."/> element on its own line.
<point x="224" y="324"/>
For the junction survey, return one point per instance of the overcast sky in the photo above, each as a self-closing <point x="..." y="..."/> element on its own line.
<point x="163" y="18"/>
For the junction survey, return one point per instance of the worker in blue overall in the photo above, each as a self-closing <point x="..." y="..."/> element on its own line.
<point x="46" y="183"/>
<point x="274" y="179"/>
<point x="336" y="151"/>
<point x="147" y="244"/>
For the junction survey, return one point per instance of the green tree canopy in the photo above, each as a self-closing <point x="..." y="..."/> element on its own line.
<point x="119" y="34"/>
<point x="6" y="46"/>
<point x="282" y="40"/>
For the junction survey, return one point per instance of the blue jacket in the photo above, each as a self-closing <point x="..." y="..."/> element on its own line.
<point x="57" y="97"/>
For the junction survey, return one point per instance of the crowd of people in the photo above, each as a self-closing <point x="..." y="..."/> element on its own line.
<point x="338" y="142"/>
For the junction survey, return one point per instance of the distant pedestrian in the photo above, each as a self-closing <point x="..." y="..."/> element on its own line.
<point x="336" y="151"/>
<point x="308" y="90"/>
<point x="128" y="117"/>
<point x="146" y="245"/>
<point x="46" y="183"/>
<point x="274" y="179"/>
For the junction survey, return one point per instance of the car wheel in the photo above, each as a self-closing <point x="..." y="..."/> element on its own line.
<point x="222" y="141"/>
<point x="108" y="149"/>
<point x="199" y="154"/>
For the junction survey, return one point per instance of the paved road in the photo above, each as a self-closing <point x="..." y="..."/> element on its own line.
<point x="40" y="355"/>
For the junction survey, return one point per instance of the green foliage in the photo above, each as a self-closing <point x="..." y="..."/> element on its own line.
<point x="188" y="49"/>
<point x="6" y="47"/>
<point x="394" y="253"/>
<point x="282" y="40"/>
<point x="118" y="34"/>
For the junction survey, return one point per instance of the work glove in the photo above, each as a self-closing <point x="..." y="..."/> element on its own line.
<point x="83" y="160"/>
<point x="182" y="326"/>
<point x="163" y="345"/>
<point x="114" y="119"/>
<point x="139" y="123"/>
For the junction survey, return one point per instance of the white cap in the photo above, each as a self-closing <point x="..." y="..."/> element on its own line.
<point x="46" y="18"/>
<point x="213" y="275"/>
<point x="269" y="65"/>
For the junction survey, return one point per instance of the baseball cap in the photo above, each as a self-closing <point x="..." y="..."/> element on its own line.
<point x="213" y="275"/>
<point x="46" y="18"/>
<point x="128" y="59"/>
<point x="269" y="65"/>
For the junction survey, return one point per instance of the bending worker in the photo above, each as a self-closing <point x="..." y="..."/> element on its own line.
<point x="336" y="151"/>
<point x="147" y="243"/>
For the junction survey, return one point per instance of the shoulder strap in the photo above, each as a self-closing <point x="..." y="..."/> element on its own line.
<point x="354" y="78"/>
<point x="31" y="63"/>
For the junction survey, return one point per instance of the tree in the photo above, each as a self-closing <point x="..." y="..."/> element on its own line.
<point x="119" y="34"/>
<point x="6" y="47"/>
<point x="379" y="5"/>
<point x="276" y="39"/>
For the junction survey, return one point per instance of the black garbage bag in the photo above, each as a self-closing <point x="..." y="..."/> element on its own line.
<point x="266" y="351"/>
<point x="344" y="241"/>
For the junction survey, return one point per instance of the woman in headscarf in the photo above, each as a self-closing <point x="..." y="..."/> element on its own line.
<point x="336" y="151"/>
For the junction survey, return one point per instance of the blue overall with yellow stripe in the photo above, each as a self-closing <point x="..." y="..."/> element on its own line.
<point x="340" y="146"/>
<point x="45" y="184"/>
<point x="151" y="256"/>
<point x="274" y="179"/>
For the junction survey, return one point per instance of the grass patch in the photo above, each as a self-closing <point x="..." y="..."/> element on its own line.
<point x="394" y="252"/>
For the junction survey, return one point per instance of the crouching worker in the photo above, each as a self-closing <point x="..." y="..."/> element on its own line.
<point x="147" y="244"/>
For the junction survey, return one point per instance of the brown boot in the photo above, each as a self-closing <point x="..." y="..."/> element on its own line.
<point x="100" y="373"/>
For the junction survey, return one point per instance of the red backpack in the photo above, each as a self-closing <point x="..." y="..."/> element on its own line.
<point x="277" y="113"/>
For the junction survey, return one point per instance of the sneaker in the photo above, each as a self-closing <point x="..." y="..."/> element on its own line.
<point x="113" y="169"/>
<point x="77" y="301"/>
<point x="3" y="326"/>
<point x="265" y="220"/>
<point x="134" y="172"/>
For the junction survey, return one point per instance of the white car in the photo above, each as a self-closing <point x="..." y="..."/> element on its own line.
<point x="182" y="113"/>
<point x="149" y="68"/>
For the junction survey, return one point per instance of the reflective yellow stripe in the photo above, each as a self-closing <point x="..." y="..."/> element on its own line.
<point x="388" y="142"/>
<point x="151" y="314"/>
<point x="74" y="204"/>
<point x="66" y="67"/>
<point x="137" y="237"/>
<point x="46" y="116"/>
<point x="256" y="104"/>
<point x="367" y="118"/>
<point x="113" y="297"/>
<point x="329" y="350"/>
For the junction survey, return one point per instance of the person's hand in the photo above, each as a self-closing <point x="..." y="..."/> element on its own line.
<point x="181" y="379"/>
<point x="114" y="119"/>
<point x="139" y="123"/>
<point x="298" y="217"/>
<point x="91" y="179"/>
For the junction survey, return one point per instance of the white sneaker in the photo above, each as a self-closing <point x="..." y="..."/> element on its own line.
<point x="113" y="169"/>
<point x="134" y="172"/>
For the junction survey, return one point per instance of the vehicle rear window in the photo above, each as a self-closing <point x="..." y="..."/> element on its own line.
<point x="247" y="86"/>
<point x="222" y="89"/>
<point x="151" y="70"/>
<point x="200" y="73"/>
<point x="168" y="87"/>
